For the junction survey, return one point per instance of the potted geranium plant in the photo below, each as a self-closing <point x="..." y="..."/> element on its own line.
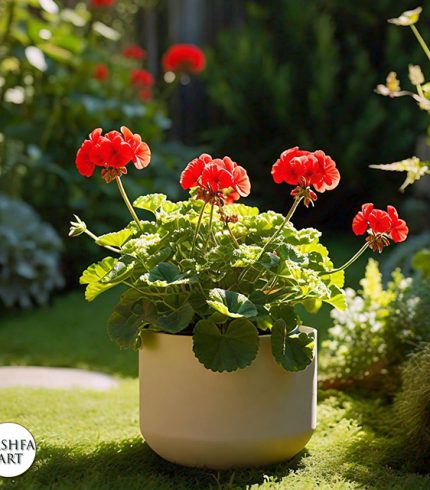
<point x="227" y="370"/>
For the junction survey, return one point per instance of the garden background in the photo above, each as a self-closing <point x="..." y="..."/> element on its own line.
<point x="278" y="73"/>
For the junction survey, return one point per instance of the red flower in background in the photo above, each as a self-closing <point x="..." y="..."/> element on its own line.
<point x="145" y="94"/>
<point x="112" y="152"/>
<point x="141" y="78"/>
<point x="101" y="3"/>
<point x="381" y="226"/>
<point x="184" y="58"/>
<point x="216" y="179"/>
<point x="134" y="52"/>
<point x="101" y="72"/>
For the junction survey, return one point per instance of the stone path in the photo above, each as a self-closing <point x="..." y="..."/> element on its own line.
<point x="55" y="378"/>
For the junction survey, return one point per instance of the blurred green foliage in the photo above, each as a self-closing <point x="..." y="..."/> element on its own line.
<point x="297" y="74"/>
<point x="51" y="98"/>
<point x="378" y="330"/>
<point x="412" y="405"/>
<point x="29" y="256"/>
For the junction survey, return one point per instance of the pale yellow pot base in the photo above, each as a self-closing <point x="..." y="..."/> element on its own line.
<point x="256" y="416"/>
<point x="226" y="455"/>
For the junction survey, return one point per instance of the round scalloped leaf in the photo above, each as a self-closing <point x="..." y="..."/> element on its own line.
<point x="178" y="320"/>
<point x="221" y="351"/>
<point x="150" y="202"/>
<point x="115" y="239"/>
<point x="131" y="313"/>
<point x="232" y="304"/>
<point x="292" y="349"/>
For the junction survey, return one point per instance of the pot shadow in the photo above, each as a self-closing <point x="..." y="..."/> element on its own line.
<point x="133" y="464"/>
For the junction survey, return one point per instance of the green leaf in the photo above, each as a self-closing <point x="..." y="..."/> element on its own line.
<point x="421" y="261"/>
<point x="221" y="351"/>
<point x="116" y="239"/>
<point x="121" y="270"/>
<point x="286" y="313"/>
<point x="292" y="349"/>
<point x="312" y="305"/>
<point x="105" y="275"/>
<point x="150" y="202"/>
<point x="232" y="304"/>
<point x="159" y="256"/>
<point x="131" y="313"/>
<point x="96" y="271"/>
<point x="269" y="261"/>
<point x="177" y="320"/>
<point x="165" y="274"/>
<point x="337" y="298"/>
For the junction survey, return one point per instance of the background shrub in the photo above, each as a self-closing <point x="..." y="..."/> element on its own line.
<point x="412" y="405"/>
<point x="305" y="75"/>
<point x="379" y="329"/>
<point x="29" y="255"/>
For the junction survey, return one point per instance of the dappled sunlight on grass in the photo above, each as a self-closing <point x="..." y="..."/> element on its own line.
<point x="91" y="440"/>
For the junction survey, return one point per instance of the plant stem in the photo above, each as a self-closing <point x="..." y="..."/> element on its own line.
<point x="421" y="41"/>
<point x="95" y="237"/>
<point x="199" y="222"/>
<point x="210" y="226"/>
<point x="276" y="234"/>
<point x="233" y="238"/>
<point x="127" y="202"/>
<point x="286" y="220"/>
<point x="349" y="262"/>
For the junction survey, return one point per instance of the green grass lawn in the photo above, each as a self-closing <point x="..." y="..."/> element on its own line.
<point x="90" y="440"/>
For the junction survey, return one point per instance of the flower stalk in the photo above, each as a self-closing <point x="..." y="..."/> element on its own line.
<point x="288" y="217"/>
<point x="349" y="262"/>
<point x="199" y="222"/>
<point x="420" y="39"/>
<point x="127" y="202"/>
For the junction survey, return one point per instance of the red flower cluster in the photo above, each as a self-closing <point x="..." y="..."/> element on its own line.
<point x="112" y="152"/>
<point x="184" y="58"/>
<point x="304" y="169"/>
<point x="101" y="72"/>
<point x="216" y="179"/>
<point x="381" y="225"/>
<point x="134" y="52"/>
<point x="143" y="81"/>
<point x="101" y="3"/>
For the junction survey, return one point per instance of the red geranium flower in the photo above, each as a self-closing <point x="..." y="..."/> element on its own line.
<point x="381" y="226"/>
<point x="216" y="179"/>
<point x="135" y="52"/>
<point x="141" y="78"/>
<point x="305" y="169"/>
<point x="399" y="228"/>
<point x="289" y="167"/>
<point x="184" y="58"/>
<point x="113" y="152"/>
<point x="141" y="154"/>
<point x="360" y="223"/>
<point x="325" y="175"/>
<point x="101" y="72"/>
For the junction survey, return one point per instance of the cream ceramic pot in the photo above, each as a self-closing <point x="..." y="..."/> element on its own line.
<point x="192" y="416"/>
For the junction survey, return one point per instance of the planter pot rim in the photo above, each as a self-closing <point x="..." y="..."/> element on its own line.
<point x="302" y="328"/>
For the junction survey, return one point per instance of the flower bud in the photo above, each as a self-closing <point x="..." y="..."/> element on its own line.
<point x="77" y="227"/>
